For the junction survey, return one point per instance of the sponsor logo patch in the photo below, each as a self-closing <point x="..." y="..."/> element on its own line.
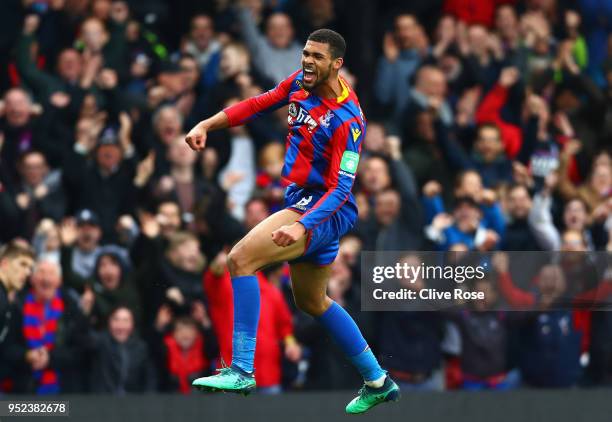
<point x="349" y="162"/>
<point x="299" y="115"/>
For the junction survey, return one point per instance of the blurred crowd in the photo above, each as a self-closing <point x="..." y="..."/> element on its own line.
<point x="489" y="129"/>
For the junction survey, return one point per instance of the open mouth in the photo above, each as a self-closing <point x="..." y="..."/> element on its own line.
<point x="309" y="76"/>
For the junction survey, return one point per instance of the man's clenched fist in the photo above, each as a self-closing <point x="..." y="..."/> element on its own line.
<point x="287" y="235"/>
<point x="196" y="138"/>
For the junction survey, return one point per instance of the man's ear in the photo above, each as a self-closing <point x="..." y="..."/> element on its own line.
<point x="338" y="63"/>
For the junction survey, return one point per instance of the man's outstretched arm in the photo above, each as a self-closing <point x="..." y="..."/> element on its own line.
<point x="241" y="112"/>
<point x="196" y="138"/>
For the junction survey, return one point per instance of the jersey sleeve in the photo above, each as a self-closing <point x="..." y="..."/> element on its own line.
<point x="346" y="144"/>
<point x="246" y="110"/>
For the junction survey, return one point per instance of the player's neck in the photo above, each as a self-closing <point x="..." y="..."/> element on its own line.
<point x="331" y="88"/>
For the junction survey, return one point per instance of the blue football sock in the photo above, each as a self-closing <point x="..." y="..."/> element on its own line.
<point x="246" y="318"/>
<point x="345" y="332"/>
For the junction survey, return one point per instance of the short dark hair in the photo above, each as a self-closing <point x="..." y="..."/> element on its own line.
<point x="337" y="45"/>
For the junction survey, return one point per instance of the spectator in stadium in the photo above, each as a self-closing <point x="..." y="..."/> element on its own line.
<point x="112" y="286"/>
<point x="540" y="150"/>
<point x="487" y="156"/>
<point x="375" y="173"/>
<point x="396" y="218"/>
<point x="484" y="342"/>
<point x="429" y="94"/>
<point x="46" y="241"/>
<point x="575" y="217"/>
<point x="269" y="182"/>
<point x="201" y="42"/>
<point x="468" y="184"/>
<point x="49" y="352"/>
<point x="550" y="344"/>
<point x="184" y="348"/>
<point x="423" y="154"/>
<point x="104" y="185"/>
<point x="502" y="98"/>
<point x="80" y="239"/>
<point x="16" y="260"/>
<point x="155" y="231"/>
<point x="182" y="267"/>
<point x="167" y="124"/>
<point x="21" y="130"/>
<point x="140" y="65"/>
<point x="170" y="218"/>
<point x="596" y="191"/>
<point x="508" y="31"/>
<point x="237" y="77"/>
<point x="518" y="235"/>
<point x="275" y="54"/>
<point x="108" y="44"/>
<point x="73" y="75"/>
<point x="191" y="103"/>
<point x="39" y="193"/>
<point x="538" y="42"/>
<point x="101" y="9"/>
<point x="238" y="177"/>
<point x="121" y="361"/>
<point x="182" y="183"/>
<point x="374" y="141"/>
<point x="483" y="54"/>
<point x="463" y="227"/>
<point x="174" y="85"/>
<point x="427" y="109"/>
<point x="579" y="106"/>
<point x="169" y="271"/>
<point x="256" y="210"/>
<point x="402" y="55"/>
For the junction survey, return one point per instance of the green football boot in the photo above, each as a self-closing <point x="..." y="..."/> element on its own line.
<point x="369" y="397"/>
<point x="230" y="379"/>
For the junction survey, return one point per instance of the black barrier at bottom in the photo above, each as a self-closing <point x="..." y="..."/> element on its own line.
<point x="520" y="406"/>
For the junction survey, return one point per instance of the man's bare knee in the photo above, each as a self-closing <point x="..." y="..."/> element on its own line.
<point x="239" y="262"/>
<point x="313" y="306"/>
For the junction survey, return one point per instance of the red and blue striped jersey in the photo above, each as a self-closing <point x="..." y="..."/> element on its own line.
<point x="323" y="144"/>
